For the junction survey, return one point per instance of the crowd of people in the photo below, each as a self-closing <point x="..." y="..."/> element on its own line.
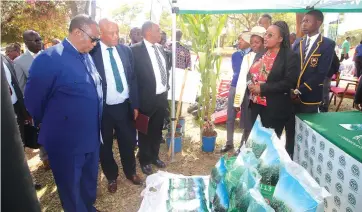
<point x="277" y="76"/>
<point x="90" y="87"/>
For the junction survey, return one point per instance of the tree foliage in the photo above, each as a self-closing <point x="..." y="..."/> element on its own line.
<point x="49" y="18"/>
<point x="125" y="14"/>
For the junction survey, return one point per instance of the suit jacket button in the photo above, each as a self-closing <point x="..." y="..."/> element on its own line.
<point x="65" y="117"/>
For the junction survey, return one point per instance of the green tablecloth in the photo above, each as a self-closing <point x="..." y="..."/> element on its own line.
<point x="328" y="125"/>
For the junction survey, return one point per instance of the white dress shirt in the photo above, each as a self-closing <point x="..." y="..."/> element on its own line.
<point x="14" y="99"/>
<point x="311" y="42"/>
<point x="160" y="88"/>
<point x="33" y="54"/>
<point x="113" y="96"/>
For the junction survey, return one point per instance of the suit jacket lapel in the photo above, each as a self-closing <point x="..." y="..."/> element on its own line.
<point x="14" y="80"/>
<point x="123" y="57"/>
<point x="98" y="61"/>
<point x="312" y="50"/>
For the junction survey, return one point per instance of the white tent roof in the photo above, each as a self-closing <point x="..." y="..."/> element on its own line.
<point x="255" y="6"/>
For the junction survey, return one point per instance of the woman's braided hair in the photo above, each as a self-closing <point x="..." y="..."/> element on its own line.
<point x="284" y="33"/>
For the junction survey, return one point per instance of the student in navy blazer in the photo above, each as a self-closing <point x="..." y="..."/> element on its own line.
<point x="64" y="94"/>
<point x="114" y="63"/>
<point x="316" y="54"/>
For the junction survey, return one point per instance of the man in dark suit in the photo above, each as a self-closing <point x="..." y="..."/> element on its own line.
<point x="17" y="99"/>
<point x="64" y="94"/>
<point x="316" y="54"/>
<point x="114" y="63"/>
<point x="152" y="75"/>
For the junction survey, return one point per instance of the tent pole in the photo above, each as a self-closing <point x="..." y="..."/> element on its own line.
<point x="299" y="18"/>
<point x="173" y="126"/>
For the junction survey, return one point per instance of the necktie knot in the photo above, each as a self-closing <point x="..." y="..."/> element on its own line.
<point x="110" y="50"/>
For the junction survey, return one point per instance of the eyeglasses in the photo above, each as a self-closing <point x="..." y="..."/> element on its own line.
<point x="35" y="41"/>
<point x="93" y="40"/>
<point x="269" y="35"/>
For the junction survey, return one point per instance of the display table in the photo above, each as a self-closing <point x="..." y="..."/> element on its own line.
<point x="333" y="156"/>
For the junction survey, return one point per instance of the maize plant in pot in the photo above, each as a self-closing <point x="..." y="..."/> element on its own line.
<point x="205" y="30"/>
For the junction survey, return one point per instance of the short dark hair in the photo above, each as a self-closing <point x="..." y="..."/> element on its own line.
<point x="146" y="26"/>
<point x="79" y="21"/>
<point x="284" y="33"/>
<point x="360" y="42"/>
<point x="267" y="16"/>
<point x="347" y="38"/>
<point x="317" y="14"/>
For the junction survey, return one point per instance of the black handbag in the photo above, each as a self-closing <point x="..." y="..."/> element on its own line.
<point x="31" y="136"/>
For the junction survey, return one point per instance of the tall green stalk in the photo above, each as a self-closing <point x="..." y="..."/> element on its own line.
<point x="205" y="30"/>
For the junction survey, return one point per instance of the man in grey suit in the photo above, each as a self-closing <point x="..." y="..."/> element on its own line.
<point x="22" y="65"/>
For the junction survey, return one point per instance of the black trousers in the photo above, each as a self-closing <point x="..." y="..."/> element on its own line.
<point x="119" y="118"/>
<point x="277" y="124"/>
<point x="149" y="145"/>
<point x="290" y="126"/>
<point x="20" y="119"/>
<point x="358" y="64"/>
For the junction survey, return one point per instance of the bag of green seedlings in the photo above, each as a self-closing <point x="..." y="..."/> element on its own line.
<point x="244" y="160"/>
<point x="187" y="182"/>
<point x="248" y="180"/>
<point x="257" y="202"/>
<point x="195" y="205"/>
<point x="297" y="191"/>
<point x="218" y="195"/>
<point x="259" y="138"/>
<point x="186" y="193"/>
<point x="270" y="162"/>
<point x="220" y="201"/>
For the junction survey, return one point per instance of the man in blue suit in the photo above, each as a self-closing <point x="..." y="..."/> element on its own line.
<point x="64" y="95"/>
<point x="316" y="54"/>
<point x="114" y="63"/>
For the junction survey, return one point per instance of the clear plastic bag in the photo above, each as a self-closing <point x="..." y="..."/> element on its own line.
<point x="297" y="191"/>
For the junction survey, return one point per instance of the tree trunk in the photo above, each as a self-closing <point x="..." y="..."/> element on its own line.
<point x="298" y="27"/>
<point x="73" y="8"/>
<point x="86" y="7"/>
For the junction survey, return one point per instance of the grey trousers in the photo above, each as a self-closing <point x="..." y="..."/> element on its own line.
<point x="326" y="89"/>
<point x="231" y="116"/>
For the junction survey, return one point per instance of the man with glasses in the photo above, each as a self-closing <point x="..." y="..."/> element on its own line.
<point x="64" y="94"/>
<point x="33" y="43"/>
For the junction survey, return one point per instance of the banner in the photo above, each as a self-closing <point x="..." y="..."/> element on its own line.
<point x="192" y="84"/>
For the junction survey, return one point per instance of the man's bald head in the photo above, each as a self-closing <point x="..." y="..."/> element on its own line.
<point x="109" y="32"/>
<point x="151" y="32"/>
<point x="32" y="41"/>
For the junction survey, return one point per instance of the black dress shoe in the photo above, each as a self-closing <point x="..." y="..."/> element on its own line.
<point x="135" y="179"/>
<point x="147" y="169"/>
<point x="37" y="186"/>
<point x="159" y="163"/>
<point x="237" y="152"/>
<point x="226" y="148"/>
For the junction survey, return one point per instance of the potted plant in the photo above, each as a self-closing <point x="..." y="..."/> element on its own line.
<point x="178" y="141"/>
<point x="205" y="30"/>
<point x="208" y="137"/>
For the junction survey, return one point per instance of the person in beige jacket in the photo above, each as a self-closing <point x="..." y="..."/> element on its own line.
<point x="241" y="101"/>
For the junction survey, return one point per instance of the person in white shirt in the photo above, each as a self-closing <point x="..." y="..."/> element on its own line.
<point x="152" y="72"/>
<point x="114" y="63"/>
<point x="241" y="102"/>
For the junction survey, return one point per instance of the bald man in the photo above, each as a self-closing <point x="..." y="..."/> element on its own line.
<point x="114" y="63"/>
<point x="152" y="72"/>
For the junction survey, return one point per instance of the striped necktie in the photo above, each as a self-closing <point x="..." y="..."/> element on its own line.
<point x="162" y="69"/>
<point x="306" y="48"/>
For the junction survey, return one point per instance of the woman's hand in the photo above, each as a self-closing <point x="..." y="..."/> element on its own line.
<point x="254" y="89"/>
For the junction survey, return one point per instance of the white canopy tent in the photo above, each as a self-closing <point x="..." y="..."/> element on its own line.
<point x="248" y="6"/>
